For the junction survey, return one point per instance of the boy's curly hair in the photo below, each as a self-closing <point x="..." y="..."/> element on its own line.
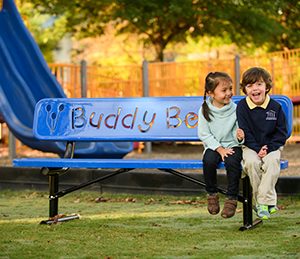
<point x="255" y="74"/>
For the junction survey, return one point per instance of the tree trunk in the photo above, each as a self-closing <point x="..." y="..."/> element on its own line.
<point x="159" y="51"/>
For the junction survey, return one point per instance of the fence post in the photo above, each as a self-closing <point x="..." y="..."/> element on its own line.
<point x="83" y="78"/>
<point x="274" y="90"/>
<point x="145" y="72"/>
<point x="145" y="79"/>
<point x="237" y="76"/>
<point x="11" y="146"/>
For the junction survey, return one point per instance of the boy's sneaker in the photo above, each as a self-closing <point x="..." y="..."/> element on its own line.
<point x="263" y="211"/>
<point x="272" y="209"/>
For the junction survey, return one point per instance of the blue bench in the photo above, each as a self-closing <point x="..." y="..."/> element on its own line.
<point x="124" y="119"/>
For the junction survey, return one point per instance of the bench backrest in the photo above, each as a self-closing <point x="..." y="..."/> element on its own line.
<point x="126" y="119"/>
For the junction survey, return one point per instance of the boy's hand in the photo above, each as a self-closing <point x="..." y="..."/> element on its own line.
<point x="240" y="135"/>
<point x="263" y="151"/>
<point x="224" y="152"/>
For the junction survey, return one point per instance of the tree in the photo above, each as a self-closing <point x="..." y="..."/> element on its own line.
<point x="46" y="30"/>
<point x="161" y="22"/>
<point x="288" y="17"/>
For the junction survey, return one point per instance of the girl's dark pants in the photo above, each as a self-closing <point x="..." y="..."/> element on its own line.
<point x="211" y="159"/>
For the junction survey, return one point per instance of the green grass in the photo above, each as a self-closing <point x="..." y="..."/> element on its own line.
<point x="151" y="227"/>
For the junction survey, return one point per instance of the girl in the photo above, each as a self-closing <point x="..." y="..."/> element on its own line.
<point x="218" y="130"/>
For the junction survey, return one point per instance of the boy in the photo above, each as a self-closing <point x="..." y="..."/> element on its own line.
<point x="264" y="125"/>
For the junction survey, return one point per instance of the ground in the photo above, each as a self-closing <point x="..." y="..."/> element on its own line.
<point x="291" y="152"/>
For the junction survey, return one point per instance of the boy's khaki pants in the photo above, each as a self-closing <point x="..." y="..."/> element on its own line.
<point x="263" y="174"/>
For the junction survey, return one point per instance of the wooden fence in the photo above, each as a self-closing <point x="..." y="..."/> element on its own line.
<point x="180" y="78"/>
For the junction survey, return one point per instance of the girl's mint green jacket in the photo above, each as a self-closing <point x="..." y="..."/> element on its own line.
<point x="221" y="130"/>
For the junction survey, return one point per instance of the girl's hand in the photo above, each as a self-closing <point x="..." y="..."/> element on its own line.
<point x="240" y="135"/>
<point x="224" y="152"/>
<point x="263" y="151"/>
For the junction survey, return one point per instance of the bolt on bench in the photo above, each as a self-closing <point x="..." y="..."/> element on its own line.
<point x="124" y="119"/>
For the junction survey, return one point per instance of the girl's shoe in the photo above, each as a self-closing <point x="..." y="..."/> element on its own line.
<point x="229" y="208"/>
<point x="213" y="205"/>
<point x="263" y="211"/>
<point x="272" y="209"/>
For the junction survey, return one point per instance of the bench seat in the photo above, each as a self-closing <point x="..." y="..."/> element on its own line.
<point x="116" y="163"/>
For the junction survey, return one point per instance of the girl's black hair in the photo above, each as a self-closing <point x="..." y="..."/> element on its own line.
<point x="255" y="74"/>
<point x="212" y="80"/>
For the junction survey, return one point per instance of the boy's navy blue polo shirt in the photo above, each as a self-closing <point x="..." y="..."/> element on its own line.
<point x="263" y="125"/>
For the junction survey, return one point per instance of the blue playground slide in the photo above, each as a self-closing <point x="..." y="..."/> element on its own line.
<point x="25" y="79"/>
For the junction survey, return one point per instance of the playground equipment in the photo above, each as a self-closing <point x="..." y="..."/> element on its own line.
<point x="25" y="79"/>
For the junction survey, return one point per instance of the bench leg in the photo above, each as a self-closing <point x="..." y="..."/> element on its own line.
<point x="54" y="194"/>
<point x="53" y="189"/>
<point x="247" y="206"/>
<point x="53" y="202"/>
